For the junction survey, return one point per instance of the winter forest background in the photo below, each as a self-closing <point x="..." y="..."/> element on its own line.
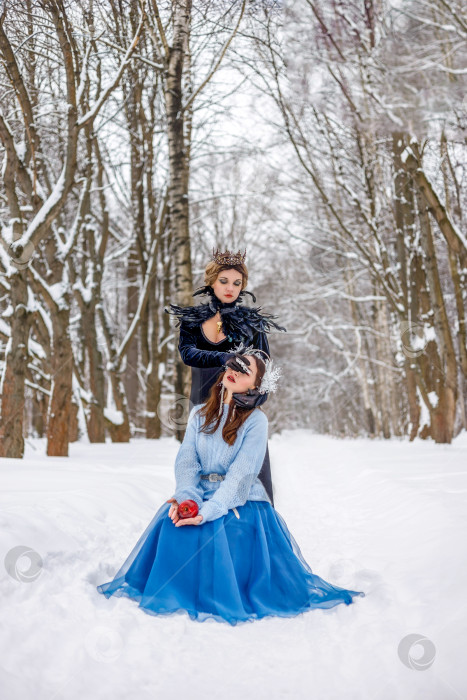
<point x="327" y="137"/>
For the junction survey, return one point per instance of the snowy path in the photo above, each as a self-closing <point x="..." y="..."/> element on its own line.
<point x="388" y="518"/>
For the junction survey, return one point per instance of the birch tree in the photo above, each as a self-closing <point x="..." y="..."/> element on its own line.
<point x="171" y="40"/>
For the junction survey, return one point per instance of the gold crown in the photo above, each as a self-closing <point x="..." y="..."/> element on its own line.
<point x="228" y="258"/>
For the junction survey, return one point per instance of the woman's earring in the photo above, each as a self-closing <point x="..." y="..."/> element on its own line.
<point x="221" y="405"/>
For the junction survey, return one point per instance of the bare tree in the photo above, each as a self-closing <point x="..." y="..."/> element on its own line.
<point x="352" y="122"/>
<point x="37" y="199"/>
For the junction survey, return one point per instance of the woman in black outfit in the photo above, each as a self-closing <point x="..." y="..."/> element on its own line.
<point x="211" y="332"/>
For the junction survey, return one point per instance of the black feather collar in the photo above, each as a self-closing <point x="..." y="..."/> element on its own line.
<point x="239" y="322"/>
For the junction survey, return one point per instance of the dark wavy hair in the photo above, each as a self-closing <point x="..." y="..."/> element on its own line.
<point x="210" y="408"/>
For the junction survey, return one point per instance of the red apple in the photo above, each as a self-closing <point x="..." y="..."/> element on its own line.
<point x="188" y="509"/>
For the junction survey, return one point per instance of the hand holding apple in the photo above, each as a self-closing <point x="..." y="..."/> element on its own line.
<point x="189" y="521"/>
<point x="188" y="509"/>
<point x="173" y="510"/>
<point x="188" y="512"/>
<point x="184" y="513"/>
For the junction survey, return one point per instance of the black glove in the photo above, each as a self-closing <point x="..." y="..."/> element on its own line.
<point x="233" y="364"/>
<point x="250" y="399"/>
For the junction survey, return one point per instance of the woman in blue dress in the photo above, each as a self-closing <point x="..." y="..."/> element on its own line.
<point x="235" y="561"/>
<point x="210" y="332"/>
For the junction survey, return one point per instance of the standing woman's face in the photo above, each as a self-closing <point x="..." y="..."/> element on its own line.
<point x="228" y="285"/>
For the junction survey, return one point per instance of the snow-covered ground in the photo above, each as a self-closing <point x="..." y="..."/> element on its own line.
<point x="385" y="517"/>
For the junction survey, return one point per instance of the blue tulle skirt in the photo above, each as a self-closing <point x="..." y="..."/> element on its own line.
<point x="229" y="569"/>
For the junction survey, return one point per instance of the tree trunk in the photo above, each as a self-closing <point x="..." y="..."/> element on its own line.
<point x="59" y="414"/>
<point x="14" y="369"/>
<point x="117" y="424"/>
<point x="130" y="380"/>
<point x="443" y="409"/>
<point x="385" y="376"/>
<point x="95" y="422"/>
<point x="362" y="373"/>
<point x="153" y="381"/>
<point x="458" y="268"/>
<point x="178" y="187"/>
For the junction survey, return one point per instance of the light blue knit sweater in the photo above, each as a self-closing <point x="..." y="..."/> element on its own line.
<point x="241" y="462"/>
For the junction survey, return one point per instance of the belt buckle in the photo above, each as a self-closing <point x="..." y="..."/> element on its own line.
<point x="212" y="477"/>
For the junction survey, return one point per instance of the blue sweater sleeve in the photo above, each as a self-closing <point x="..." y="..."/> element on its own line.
<point x="187" y="464"/>
<point x="193" y="356"/>
<point x="234" y="489"/>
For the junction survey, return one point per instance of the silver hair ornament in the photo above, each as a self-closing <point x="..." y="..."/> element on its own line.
<point x="244" y="365"/>
<point x="272" y="373"/>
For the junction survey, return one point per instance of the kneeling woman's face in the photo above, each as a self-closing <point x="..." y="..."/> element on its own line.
<point x="242" y="382"/>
